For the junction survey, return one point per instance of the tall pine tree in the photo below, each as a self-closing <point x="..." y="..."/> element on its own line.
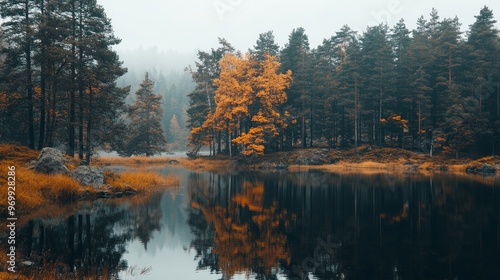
<point x="145" y="132"/>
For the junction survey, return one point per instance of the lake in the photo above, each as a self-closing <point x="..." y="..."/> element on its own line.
<point x="290" y="225"/>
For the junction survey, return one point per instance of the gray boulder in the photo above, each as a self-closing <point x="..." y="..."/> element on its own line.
<point x="484" y="169"/>
<point x="313" y="157"/>
<point x="51" y="161"/>
<point x="88" y="176"/>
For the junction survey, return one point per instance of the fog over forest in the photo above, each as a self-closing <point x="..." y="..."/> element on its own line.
<point x="167" y="69"/>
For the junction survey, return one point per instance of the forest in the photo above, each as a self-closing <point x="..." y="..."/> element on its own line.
<point x="433" y="89"/>
<point x="58" y="76"/>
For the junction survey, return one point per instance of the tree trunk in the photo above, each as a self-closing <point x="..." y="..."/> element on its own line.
<point x="71" y="106"/>
<point x="380" y="130"/>
<point x="41" y="134"/>
<point x="227" y="140"/>
<point x="498" y="99"/>
<point x="29" y="82"/>
<point x="89" y="126"/>
<point x="230" y="146"/>
<point x="304" y="144"/>
<point x="53" y="112"/>
<point x="356" y="113"/>
<point x="419" y="122"/>
<point x="311" y="125"/>
<point x="80" y="86"/>
<point x="219" y="135"/>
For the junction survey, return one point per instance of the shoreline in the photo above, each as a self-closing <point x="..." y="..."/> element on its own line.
<point x="39" y="192"/>
<point x="375" y="161"/>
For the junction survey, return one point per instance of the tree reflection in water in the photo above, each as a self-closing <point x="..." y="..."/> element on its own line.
<point x="346" y="226"/>
<point x="308" y="225"/>
<point x="89" y="243"/>
<point x="248" y="232"/>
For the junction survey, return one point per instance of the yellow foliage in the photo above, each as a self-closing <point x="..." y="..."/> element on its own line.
<point x="243" y="83"/>
<point x="142" y="181"/>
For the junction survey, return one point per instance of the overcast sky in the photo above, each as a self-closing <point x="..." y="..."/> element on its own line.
<point x="188" y="25"/>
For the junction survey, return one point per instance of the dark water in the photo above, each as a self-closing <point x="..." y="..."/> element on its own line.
<point x="284" y="226"/>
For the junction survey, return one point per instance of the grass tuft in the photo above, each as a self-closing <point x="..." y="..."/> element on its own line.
<point x="141" y="181"/>
<point x="210" y="164"/>
<point x="33" y="190"/>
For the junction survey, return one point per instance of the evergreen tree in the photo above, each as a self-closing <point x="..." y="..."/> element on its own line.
<point x="145" y="135"/>
<point x="296" y="58"/>
<point x="323" y="59"/>
<point x="19" y="27"/>
<point x="265" y="45"/>
<point x="377" y="79"/>
<point x="458" y="120"/>
<point x="401" y="42"/>
<point x="347" y="75"/>
<point x="482" y="62"/>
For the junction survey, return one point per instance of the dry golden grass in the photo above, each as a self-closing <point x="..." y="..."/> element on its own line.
<point x="141" y="181"/>
<point x="34" y="190"/>
<point x="16" y="154"/>
<point x="222" y="165"/>
<point x="136" y="160"/>
<point x="208" y="164"/>
<point x="12" y="276"/>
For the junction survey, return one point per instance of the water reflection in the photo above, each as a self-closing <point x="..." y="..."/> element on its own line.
<point x="248" y="232"/>
<point x="280" y="226"/>
<point x="90" y="242"/>
<point x="331" y="226"/>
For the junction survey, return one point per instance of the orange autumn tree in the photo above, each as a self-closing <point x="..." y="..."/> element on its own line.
<point x="248" y="99"/>
<point x="233" y="95"/>
<point x="269" y="88"/>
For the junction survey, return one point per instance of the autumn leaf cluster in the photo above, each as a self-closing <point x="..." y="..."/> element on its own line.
<point x="248" y="99"/>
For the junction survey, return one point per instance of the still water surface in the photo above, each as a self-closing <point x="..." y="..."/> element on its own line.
<point x="308" y="225"/>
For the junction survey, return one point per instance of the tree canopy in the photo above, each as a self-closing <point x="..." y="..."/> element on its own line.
<point x="432" y="89"/>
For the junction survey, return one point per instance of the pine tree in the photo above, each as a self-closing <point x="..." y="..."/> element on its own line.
<point x="325" y="97"/>
<point x="146" y="135"/>
<point x="378" y="76"/>
<point x="348" y="79"/>
<point x="20" y="21"/>
<point x="296" y="58"/>
<point x="265" y="45"/>
<point x="401" y="42"/>
<point x="482" y="66"/>
<point x="458" y="121"/>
